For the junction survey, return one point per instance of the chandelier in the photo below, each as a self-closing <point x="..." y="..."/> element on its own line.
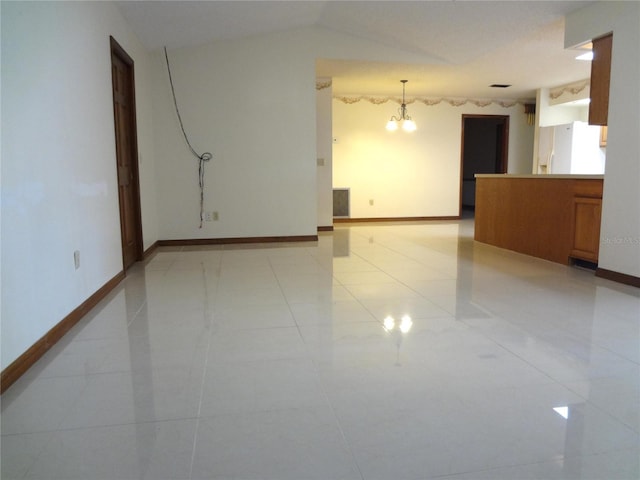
<point x="404" y="119"/>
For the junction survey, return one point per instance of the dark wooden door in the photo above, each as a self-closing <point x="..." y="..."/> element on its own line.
<point x="126" y="154"/>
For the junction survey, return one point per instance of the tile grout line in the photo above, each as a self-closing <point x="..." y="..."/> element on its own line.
<point x="208" y="316"/>
<point x="324" y="392"/>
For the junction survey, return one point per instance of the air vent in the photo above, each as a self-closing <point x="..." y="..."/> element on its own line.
<point x="499" y="85"/>
<point x="341" y="202"/>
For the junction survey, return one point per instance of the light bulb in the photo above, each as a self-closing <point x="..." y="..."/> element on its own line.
<point x="389" y="323"/>
<point x="392" y="125"/>
<point x="409" y="126"/>
<point x="405" y="324"/>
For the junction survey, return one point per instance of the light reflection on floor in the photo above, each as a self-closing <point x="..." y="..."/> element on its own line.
<point x="281" y="361"/>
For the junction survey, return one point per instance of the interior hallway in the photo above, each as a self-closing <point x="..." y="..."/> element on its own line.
<point x="274" y="362"/>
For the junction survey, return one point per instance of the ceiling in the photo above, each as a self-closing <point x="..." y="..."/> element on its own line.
<point x="462" y="47"/>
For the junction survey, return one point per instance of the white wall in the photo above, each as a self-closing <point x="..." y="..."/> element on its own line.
<point x="620" y="227"/>
<point x="549" y="113"/>
<point x="324" y="148"/>
<point x="412" y="174"/>
<point x="252" y="104"/>
<point x="59" y="189"/>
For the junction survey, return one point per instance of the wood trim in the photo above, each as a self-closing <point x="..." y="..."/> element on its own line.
<point x="235" y="240"/>
<point x="150" y="251"/>
<point x="25" y="361"/>
<point x="328" y="228"/>
<point x="618" y="277"/>
<point x="393" y="219"/>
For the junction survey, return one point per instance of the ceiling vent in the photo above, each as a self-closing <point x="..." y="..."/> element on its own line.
<point x="499" y="85"/>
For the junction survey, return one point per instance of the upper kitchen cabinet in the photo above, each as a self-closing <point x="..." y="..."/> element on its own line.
<point x="600" y="71"/>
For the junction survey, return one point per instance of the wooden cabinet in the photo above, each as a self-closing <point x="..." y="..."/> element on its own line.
<point x="600" y="73"/>
<point x="555" y="217"/>
<point x="586" y="228"/>
<point x="603" y="136"/>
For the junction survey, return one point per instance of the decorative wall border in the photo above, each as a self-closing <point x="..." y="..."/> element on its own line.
<point x="572" y="88"/>
<point x="430" y="102"/>
<point x="321" y="85"/>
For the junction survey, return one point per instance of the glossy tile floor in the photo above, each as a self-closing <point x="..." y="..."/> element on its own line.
<point x="293" y="361"/>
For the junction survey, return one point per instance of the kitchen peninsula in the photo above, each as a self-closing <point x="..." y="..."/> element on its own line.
<point x="555" y="217"/>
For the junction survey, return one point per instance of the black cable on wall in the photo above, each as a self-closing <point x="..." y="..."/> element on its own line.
<point x="202" y="158"/>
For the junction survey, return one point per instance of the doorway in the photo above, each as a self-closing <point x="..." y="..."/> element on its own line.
<point x="124" y="114"/>
<point x="485" y="148"/>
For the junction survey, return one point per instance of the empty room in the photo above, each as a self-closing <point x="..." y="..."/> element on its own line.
<point x="321" y="240"/>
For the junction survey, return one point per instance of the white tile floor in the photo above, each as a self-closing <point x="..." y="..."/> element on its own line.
<point x="271" y="362"/>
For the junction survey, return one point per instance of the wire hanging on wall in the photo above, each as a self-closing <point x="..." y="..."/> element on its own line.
<point x="202" y="158"/>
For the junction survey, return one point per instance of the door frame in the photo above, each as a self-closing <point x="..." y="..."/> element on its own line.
<point x="503" y="161"/>
<point x="122" y="55"/>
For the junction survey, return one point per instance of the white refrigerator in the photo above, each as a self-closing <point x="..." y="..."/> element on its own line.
<point x="571" y="148"/>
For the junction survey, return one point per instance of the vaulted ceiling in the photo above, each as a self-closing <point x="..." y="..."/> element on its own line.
<point x="464" y="46"/>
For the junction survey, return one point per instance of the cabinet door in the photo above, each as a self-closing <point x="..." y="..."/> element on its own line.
<point x="586" y="228"/>
<point x="600" y="72"/>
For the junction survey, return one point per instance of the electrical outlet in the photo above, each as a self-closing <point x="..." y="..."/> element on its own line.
<point x="76" y="259"/>
<point x="371" y="202"/>
<point x="210" y="216"/>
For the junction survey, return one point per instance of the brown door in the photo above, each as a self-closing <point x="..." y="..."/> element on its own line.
<point x="126" y="154"/>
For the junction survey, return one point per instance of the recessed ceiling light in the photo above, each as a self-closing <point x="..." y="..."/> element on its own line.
<point x="562" y="411"/>
<point x="499" y="85"/>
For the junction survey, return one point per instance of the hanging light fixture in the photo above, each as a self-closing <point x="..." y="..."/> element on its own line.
<point x="404" y="121"/>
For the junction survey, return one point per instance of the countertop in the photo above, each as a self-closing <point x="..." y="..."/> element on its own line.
<point x="545" y="176"/>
